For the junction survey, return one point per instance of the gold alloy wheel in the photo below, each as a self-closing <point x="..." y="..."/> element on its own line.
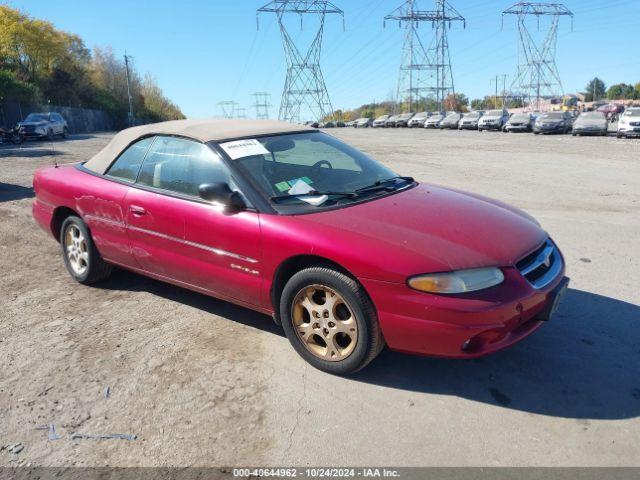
<point x="76" y="248"/>
<point x="324" y="323"/>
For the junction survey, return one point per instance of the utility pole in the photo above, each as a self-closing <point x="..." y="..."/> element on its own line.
<point x="228" y="108"/>
<point x="126" y="67"/>
<point x="304" y="85"/>
<point x="537" y="76"/>
<point x="425" y="72"/>
<point x="262" y="105"/>
<point x="504" y="89"/>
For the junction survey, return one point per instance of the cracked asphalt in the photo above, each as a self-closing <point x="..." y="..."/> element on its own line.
<point x="202" y="382"/>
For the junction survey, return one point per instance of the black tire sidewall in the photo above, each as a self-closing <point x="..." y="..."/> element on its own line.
<point x="355" y="297"/>
<point x="77" y="221"/>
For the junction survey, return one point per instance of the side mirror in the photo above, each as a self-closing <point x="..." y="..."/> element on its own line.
<point x="220" y="192"/>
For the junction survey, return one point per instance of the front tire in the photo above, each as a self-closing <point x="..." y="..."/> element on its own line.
<point x="82" y="259"/>
<point x="330" y="320"/>
<point x="65" y="133"/>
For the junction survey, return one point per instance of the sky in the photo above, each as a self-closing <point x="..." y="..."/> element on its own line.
<point x="202" y="52"/>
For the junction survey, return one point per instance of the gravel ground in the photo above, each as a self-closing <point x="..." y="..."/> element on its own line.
<point x="202" y="382"/>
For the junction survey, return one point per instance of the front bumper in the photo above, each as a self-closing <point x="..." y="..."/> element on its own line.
<point x="490" y="126"/>
<point x="468" y="126"/>
<point x="549" y="129"/>
<point x="629" y="131"/>
<point x="461" y="326"/>
<point x="518" y="128"/>
<point x="589" y="131"/>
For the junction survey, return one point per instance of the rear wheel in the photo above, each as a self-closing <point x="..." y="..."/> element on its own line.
<point x="330" y="321"/>
<point x="82" y="259"/>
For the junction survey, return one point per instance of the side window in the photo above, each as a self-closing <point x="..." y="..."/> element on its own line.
<point x="127" y="166"/>
<point x="181" y="166"/>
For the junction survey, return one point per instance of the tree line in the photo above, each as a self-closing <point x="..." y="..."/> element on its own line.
<point x="43" y="65"/>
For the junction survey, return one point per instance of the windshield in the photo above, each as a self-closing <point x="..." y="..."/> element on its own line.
<point x="37" y="117"/>
<point x="437" y="116"/>
<point x="592" y="116"/>
<point x="383" y="117"/>
<point x="452" y="117"/>
<point x="421" y="115"/>
<point x="553" y="115"/>
<point x="290" y="168"/>
<point x="472" y="115"/>
<point x="494" y="113"/>
<point x="632" y="113"/>
<point x="520" y="118"/>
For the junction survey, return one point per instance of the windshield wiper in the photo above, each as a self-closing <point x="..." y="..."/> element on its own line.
<point x="383" y="184"/>
<point x="313" y="193"/>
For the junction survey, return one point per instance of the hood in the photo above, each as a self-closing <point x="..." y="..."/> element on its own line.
<point x="600" y="122"/>
<point x="424" y="229"/>
<point x="32" y="124"/>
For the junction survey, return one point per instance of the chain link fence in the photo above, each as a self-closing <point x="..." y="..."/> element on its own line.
<point x="80" y="120"/>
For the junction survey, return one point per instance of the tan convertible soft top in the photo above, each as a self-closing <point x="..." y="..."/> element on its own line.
<point x="214" y="130"/>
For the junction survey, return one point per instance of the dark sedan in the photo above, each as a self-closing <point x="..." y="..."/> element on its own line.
<point x="553" y="122"/>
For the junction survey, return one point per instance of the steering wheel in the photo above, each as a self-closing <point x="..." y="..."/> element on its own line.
<point x="320" y="163"/>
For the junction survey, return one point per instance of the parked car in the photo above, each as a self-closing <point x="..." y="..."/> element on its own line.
<point x="519" y="122"/>
<point x="391" y="121"/>
<point x="363" y="122"/>
<point x="418" y="120"/>
<point x="629" y="123"/>
<point x="340" y="124"/>
<point x="434" y="121"/>
<point x="451" y="121"/>
<point x="553" y="122"/>
<point x="493" y="120"/>
<point x="470" y="120"/>
<point x="611" y="110"/>
<point x="380" y="121"/>
<point x="403" y="119"/>
<point x="591" y="123"/>
<point x="44" y="125"/>
<point x="235" y="210"/>
<point x="328" y="125"/>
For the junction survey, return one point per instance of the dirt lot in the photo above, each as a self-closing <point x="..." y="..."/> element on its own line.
<point x="202" y="382"/>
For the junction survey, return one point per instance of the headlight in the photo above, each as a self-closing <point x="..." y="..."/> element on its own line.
<point x="457" y="282"/>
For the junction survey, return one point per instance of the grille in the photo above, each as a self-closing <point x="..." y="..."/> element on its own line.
<point x="29" y="128"/>
<point x="635" y="124"/>
<point x="542" y="266"/>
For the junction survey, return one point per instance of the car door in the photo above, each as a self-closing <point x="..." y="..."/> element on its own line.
<point x="176" y="235"/>
<point x="102" y="204"/>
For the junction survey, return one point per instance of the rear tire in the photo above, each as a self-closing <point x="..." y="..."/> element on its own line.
<point x="339" y="339"/>
<point x="81" y="257"/>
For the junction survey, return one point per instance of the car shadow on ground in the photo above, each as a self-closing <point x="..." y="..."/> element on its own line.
<point x="10" y="192"/>
<point x="28" y="151"/>
<point x="583" y="364"/>
<point x="125" y="280"/>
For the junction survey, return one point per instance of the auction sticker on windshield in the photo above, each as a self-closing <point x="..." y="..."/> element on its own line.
<point x="244" y="148"/>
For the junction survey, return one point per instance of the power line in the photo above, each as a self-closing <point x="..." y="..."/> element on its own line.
<point x="425" y="72"/>
<point x="262" y="105"/>
<point x="304" y="83"/>
<point x="537" y="76"/>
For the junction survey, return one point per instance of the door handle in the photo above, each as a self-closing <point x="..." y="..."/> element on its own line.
<point x="137" y="210"/>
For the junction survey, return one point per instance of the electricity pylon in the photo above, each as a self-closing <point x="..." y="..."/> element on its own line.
<point x="228" y="108"/>
<point x="241" y="113"/>
<point x="304" y="84"/>
<point x="425" y="72"/>
<point x="537" y="77"/>
<point x="262" y="105"/>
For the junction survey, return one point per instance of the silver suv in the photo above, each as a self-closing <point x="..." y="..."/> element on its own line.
<point x="44" y="125"/>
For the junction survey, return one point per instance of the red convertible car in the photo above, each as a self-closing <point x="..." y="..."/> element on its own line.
<point x="344" y="253"/>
